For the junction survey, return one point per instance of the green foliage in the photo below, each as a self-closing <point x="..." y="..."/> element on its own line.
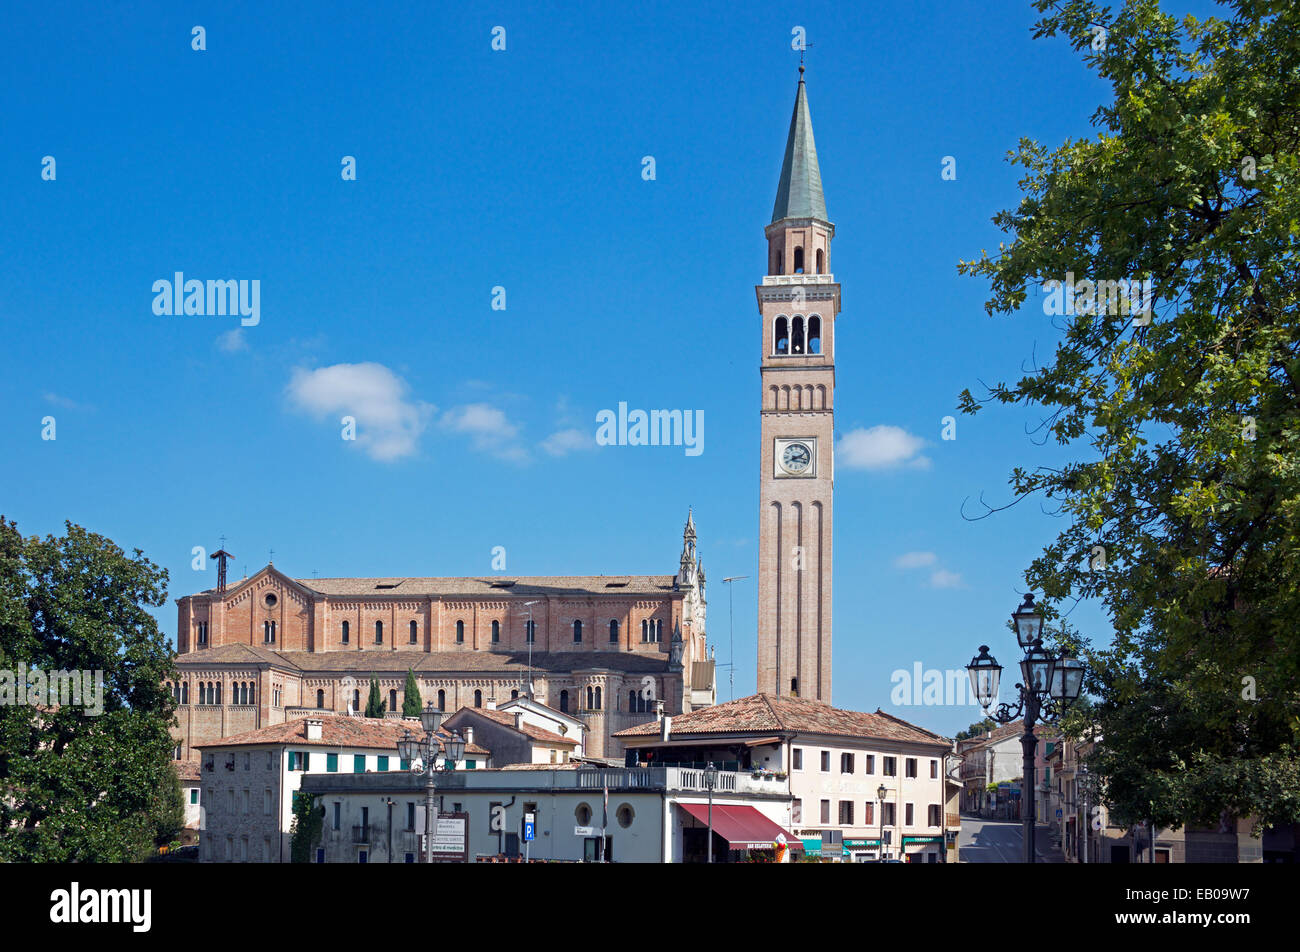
<point x="411" y="703"/>
<point x="1184" y="433"/>
<point x="979" y="727"/>
<point x="76" y="787"/>
<point x="306" y="828"/>
<point x="374" y="706"/>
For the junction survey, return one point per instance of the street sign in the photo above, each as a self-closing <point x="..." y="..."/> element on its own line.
<point x="530" y="826"/>
<point x="584" y="831"/>
<point x="450" y="842"/>
<point x="1058" y="814"/>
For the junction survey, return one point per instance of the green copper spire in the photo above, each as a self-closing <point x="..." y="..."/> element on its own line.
<point x="800" y="193"/>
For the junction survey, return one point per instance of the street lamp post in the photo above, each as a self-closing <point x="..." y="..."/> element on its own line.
<point x="880" y="795"/>
<point x="411" y="748"/>
<point x="710" y="781"/>
<point x="1049" y="684"/>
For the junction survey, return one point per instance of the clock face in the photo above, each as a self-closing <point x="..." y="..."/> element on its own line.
<point x="796" y="458"/>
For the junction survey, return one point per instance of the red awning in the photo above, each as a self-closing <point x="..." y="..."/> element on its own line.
<point x="743" y="827"/>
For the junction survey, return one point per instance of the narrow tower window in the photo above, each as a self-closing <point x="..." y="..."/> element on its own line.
<point x="781" y="337"/>
<point x="814" y="334"/>
<point x="821" y="261"/>
<point x="345" y="633"/>
<point x="797" y="344"/>
<point x="780" y="262"/>
<point x="798" y="260"/>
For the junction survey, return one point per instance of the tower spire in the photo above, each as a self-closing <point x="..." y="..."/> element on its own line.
<point x="799" y="193"/>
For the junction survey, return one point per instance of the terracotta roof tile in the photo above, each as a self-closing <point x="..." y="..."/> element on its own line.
<point x="186" y="769"/>
<point x="336" y="731"/>
<point x="768" y="713"/>
<point x="507" y="719"/>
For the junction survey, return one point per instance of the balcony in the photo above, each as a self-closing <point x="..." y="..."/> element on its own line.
<point x="680" y="778"/>
<point x="361" y="834"/>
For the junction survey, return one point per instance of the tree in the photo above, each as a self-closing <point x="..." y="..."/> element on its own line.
<point x="411" y="703"/>
<point x="306" y="827"/>
<point x="86" y="779"/>
<point x="979" y="727"/>
<point x="374" y="706"/>
<point x="1180" y="503"/>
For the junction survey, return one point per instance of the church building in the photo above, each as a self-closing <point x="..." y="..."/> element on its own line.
<point x="607" y="649"/>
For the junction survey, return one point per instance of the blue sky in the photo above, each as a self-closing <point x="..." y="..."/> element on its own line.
<point x="521" y="169"/>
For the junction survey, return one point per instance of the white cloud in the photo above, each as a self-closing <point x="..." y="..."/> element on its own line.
<point x="880" y="447"/>
<point x="65" y="402"/>
<point x="915" y="560"/>
<point x="232" y="341"/>
<point x="942" y="578"/>
<point x="563" y="442"/>
<point x="489" y="429"/>
<point x="389" y="423"/>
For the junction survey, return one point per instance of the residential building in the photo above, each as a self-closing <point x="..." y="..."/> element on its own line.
<point x="833" y="763"/>
<point x="249" y="780"/>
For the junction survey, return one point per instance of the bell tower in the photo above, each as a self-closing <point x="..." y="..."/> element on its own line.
<point x="797" y="303"/>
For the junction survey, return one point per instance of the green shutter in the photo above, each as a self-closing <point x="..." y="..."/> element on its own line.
<point x="383" y="763"/>
<point x="194" y="796"/>
<point x="332" y="763"/>
<point x="306" y="759"/>
<point x="358" y="763"/>
<point x="292" y="757"/>
<point x="405" y="764"/>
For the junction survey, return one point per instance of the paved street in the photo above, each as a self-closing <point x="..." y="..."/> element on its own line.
<point x="1000" y="841"/>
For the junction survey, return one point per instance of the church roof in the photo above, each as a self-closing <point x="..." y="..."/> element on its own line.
<point x="491" y="585"/>
<point x="768" y="713"/>
<point x="525" y="585"/>
<point x="799" y="194"/>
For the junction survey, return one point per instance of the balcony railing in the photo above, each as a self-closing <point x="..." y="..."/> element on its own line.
<point x="361" y="834"/>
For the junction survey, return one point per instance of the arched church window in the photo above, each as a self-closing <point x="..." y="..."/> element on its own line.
<point x="460" y="632"/>
<point x="781" y="336"/>
<point x="645" y="631"/>
<point x="379" y="632"/>
<point x="564" y="702"/>
<point x="798" y="260"/>
<point x="796" y="346"/>
<point x="598" y="704"/>
<point x="577" y="630"/>
<point x="821" y="261"/>
<point x="780" y="261"/>
<point x="415" y="632"/>
<point x="185" y="693"/>
<point x="496" y="630"/>
<point x="345" y="633"/>
<point x="814" y="334"/>
<point x="442" y="700"/>
<point x="392" y="699"/>
<point x="320" y="699"/>
<point x="478" y="698"/>
<point x="794" y="687"/>
<point x="613" y="631"/>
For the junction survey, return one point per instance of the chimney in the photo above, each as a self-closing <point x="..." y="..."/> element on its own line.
<point x="491" y="704"/>
<point x="519" y="720"/>
<point x="665" y="727"/>
<point x="314" y="726"/>
<point x="469" y="736"/>
<point x="659" y="710"/>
